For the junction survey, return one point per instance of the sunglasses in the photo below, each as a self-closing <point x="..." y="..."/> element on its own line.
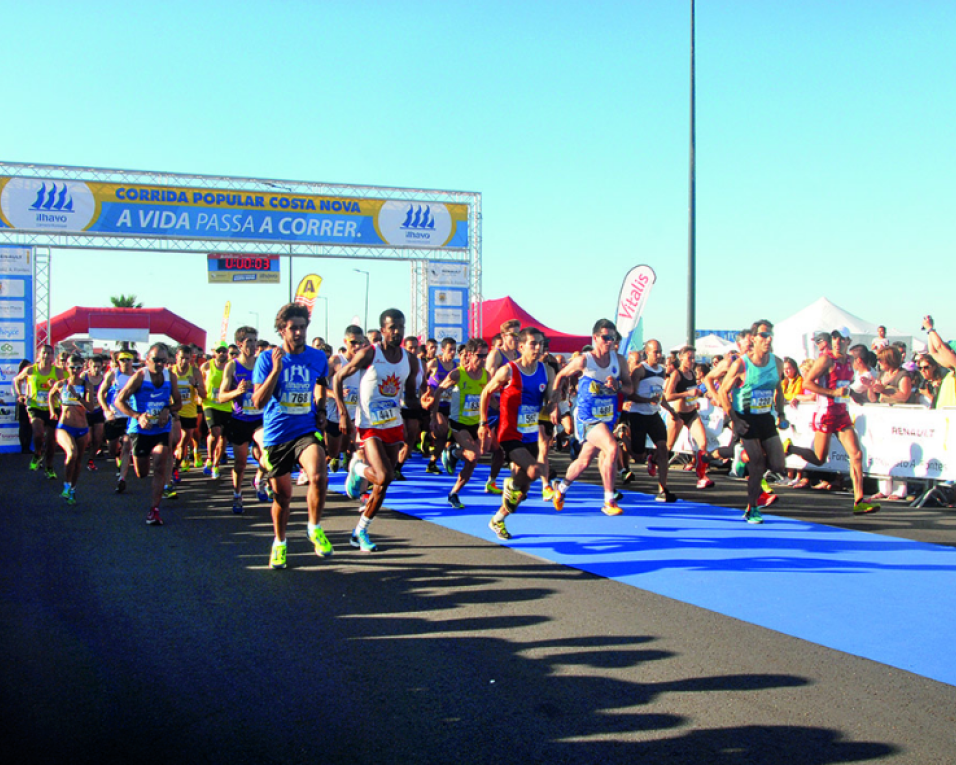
<point x="158" y="360"/>
<point x="233" y="354"/>
<point x="481" y="355"/>
<point x="765" y="335"/>
<point x="76" y="366"/>
<point x="925" y="367"/>
<point x="606" y="338"/>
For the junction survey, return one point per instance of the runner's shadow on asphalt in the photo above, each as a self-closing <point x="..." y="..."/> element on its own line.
<point x="187" y="648"/>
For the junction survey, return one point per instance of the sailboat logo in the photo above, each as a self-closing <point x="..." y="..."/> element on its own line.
<point x="53" y="200"/>
<point x="419" y="218"/>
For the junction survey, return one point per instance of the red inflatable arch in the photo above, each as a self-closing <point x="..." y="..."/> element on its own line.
<point x="158" y="321"/>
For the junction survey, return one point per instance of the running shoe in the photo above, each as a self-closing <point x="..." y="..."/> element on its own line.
<point x="626" y="476"/>
<point x="611" y="508"/>
<point x="91" y="467"/>
<point x="120" y="486"/>
<point x="35" y="463"/>
<point x="863" y="508"/>
<point x="177" y="478"/>
<point x="399" y="475"/>
<point x="323" y="547"/>
<point x="498" y="527"/>
<point x="152" y="517"/>
<point x="270" y="494"/>
<point x="353" y="481"/>
<point x="665" y="496"/>
<point x="215" y="473"/>
<point x="65" y="494"/>
<point x="169" y="492"/>
<point x="651" y="467"/>
<point x="618" y="495"/>
<point x="197" y="462"/>
<point x="303" y="479"/>
<point x="207" y="468"/>
<point x="766" y="500"/>
<point x="51" y="474"/>
<point x="71" y="500"/>
<point x="237" y="507"/>
<point x="432" y="467"/>
<point x="455" y="502"/>
<point x="449" y="461"/>
<point x="261" y="494"/>
<point x="491" y="487"/>
<point x="334" y="464"/>
<point x="186" y="467"/>
<point x="765" y="485"/>
<point x="574" y="449"/>
<point x="704" y="483"/>
<point x="547" y="493"/>
<point x="277" y="558"/>
<point x="753" y="516"/>
<point x="558" y="498"/>
<point x="360" y="540"/>
<point x="787" y="443"/>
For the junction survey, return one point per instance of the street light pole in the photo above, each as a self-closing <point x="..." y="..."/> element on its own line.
<point x="359" y="270"/>
<point x="326" y="335"/>
<point x="692" y="202"/>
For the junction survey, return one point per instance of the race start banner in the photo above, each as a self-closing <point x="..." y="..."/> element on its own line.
<point x="42" y="205"/>
<point x="17" y="321"/>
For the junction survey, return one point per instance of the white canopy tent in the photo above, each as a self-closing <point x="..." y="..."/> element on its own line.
<point x="794" y="336"/>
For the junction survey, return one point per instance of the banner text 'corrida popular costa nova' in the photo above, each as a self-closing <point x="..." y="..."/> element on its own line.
<point x="42" y="205"/>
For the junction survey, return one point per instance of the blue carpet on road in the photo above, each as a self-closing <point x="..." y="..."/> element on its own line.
<point x="886" y="599"/>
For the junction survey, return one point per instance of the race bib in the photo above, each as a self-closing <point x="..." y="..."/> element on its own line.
<point x="471" y="406"/>
<point x="761" y="401"/>
<point x="247" y="407"/>
<point x="384" y="414"/>
<point x="842" y="399"/>
<point x="43" y="397"/>
<point x="527" y="419"/>
<point x="603" y="410"/>
<point x="296" y="401"/>
<point x="350" y="396"/>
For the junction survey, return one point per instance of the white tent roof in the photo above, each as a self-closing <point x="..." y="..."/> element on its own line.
<point x="794" y="336"/>
<point x="711" y="345"/>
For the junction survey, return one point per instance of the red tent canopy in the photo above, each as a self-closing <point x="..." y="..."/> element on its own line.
<point x="495" y="312"/>
<point x="78" y="321"/>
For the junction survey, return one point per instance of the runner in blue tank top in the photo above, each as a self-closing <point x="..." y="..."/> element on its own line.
<point x="149" y="399"/>
<point x="290" y="387"/>
<point x="750" y="394"/>
<point x="603" y="375"/>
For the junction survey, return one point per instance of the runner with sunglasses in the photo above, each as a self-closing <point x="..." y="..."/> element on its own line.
<point x="749" y="393"/>
<point x="603" y="375"/>
<point x="40" y="379"/>
<point x="149" y="399"/>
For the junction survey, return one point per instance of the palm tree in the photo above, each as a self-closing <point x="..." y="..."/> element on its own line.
<point x="125" y="301"/>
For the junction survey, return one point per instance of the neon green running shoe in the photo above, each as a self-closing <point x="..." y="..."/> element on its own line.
<point x="35" y="463"/>
<point x="51" y="474"/>
<point x="323" y="547"/>
<point x="277" y="559"/>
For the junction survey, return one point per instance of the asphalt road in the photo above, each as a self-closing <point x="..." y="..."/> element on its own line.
<point x="128" y="643"/>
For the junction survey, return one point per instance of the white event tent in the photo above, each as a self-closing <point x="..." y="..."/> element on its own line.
<point x="794" y="336"/>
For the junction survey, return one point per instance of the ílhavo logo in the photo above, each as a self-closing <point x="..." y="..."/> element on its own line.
<point x="37" y="204"/>
<point x="414" y="224"/>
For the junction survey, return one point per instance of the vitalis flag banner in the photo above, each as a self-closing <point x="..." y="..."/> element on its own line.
<point x="634" y="294"/>
<point x="224" y="329"/>
<point x="308" y="291"/>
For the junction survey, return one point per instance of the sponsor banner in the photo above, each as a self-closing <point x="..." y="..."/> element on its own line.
<point x="9" y="439"/>
<point x="12" y="331"/>
<point x="8" y="370"/>
<point x="635" y="291"/>
<point x="308" y="291"/>
<point x="8" y="413"/>
<point x="243" y="278"/>
<point x="224" y="329"/>
<point x="897" y="441"/>
<point x="16" y="260"/>
<point x="13" y="350"/>
<point x="12" y="288"/>
<point x="115" y="334"/>
<point x="448" y="274"/>
<point x="13" y="309"/>
<point x="448" y="312"/>
<point x="115" y="209"/>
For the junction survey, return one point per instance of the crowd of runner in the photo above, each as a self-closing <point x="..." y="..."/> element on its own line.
<point x="382" y="396"/>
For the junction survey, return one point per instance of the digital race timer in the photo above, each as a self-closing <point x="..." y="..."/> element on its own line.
<point x="235" y="267"/>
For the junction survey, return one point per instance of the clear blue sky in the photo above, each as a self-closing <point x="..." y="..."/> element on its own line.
<point x="825" y="159"/>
